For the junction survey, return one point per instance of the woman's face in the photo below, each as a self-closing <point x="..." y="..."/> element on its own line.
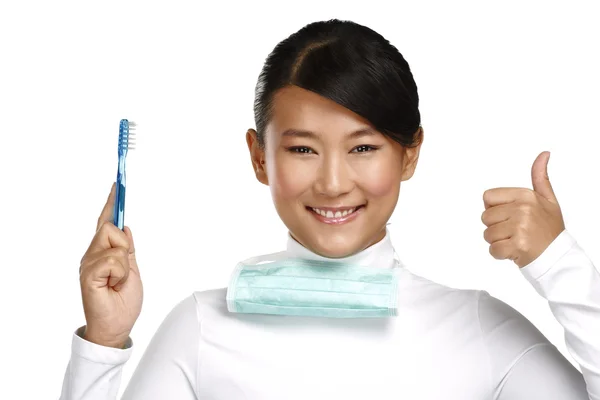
<point x="334" y="180"/>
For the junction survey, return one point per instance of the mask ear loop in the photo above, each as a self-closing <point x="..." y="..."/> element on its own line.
<point x="265" y="258"/>
<point x="397" y="261"/>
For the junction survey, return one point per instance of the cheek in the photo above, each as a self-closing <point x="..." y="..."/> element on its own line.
<point x="380" y="179"/>
<point x="289" y="178"/>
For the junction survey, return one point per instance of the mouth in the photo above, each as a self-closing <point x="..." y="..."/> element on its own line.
<point x="336" y="215"/>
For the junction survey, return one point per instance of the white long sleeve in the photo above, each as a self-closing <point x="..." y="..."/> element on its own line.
<point x="94" y="371"/>
<point x="445" y="343"/>
<point x="568" y="279"/>
<point x="523" y="364"/>
<point x="167" y="370"/>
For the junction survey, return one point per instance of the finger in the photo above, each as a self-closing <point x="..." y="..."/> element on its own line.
<point x="132" y="261"/>
<point x="498" y="232"/>
<point x="496" y="214"/>
<point x="107" y="212"/>
<point x="107" y="237"/>
<point x="502" y="195"/>
<point x="502" y="250"/>
<point x="130" y="238"/>
<point x="119" y="252"/>
<point x="107" y="271"/>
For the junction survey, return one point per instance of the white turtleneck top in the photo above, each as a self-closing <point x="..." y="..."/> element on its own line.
<point x="446" y="343"/>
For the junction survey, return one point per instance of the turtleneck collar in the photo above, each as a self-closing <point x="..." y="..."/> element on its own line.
<point x="378" y="255"/>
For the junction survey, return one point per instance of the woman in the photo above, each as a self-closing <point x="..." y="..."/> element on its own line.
<point x="337" y="131"/>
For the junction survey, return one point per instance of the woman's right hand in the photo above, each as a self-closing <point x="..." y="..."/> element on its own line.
<point x="111" y="288"/>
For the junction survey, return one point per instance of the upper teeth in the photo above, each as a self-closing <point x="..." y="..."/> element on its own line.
<point x="331" y="214"/>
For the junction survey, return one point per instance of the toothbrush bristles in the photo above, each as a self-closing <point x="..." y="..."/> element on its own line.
<point x="127" y="141"/>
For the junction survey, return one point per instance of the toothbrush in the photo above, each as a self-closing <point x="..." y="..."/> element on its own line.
<point x="126" y="143"/>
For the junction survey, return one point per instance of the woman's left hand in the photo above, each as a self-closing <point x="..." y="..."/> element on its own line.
<point x="521" y="223"/>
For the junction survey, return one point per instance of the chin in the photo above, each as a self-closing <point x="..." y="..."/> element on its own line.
<point x="336" y="247"/>
<point x="336" y="241"/>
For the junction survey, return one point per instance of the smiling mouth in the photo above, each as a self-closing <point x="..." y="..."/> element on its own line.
<point x="336" y="215"/>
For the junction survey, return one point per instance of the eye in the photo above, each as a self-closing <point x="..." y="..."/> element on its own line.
<point x="363" y="148"/>
<point x="300" y="149"/>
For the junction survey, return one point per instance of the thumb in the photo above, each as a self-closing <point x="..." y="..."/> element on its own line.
<point x="539" y="177"/>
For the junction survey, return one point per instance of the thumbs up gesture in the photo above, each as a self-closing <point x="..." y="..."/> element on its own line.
<point x="521" y="223"/>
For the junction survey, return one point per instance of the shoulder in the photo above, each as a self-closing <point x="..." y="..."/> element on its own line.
<point x="499" y="319"/>
<point x="500" y="324"/>
<point x="187" y="313"/>
<point x="210" y="303"/>
<point x="210" y="297"/>
<point x="182" y="317"/>
<point x="506" y="334"/>
<point x="422" y="292"/>
<point x="183" y="322"/>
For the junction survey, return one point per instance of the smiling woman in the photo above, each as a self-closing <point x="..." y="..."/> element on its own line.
<point x="344" y="98"/>
<point x="321" y="159"/>
<point x="337" y="132"/>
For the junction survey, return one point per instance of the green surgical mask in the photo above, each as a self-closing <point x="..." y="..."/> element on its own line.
<point x="300" y="287"/>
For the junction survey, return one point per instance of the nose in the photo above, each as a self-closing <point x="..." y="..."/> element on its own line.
<point x="334" y="177"/>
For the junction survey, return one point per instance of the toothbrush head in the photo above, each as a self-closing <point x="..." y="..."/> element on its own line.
<point x="126" y="136"/>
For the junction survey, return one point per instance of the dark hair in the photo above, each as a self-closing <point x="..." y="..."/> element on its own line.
<point x="350" y="64"/>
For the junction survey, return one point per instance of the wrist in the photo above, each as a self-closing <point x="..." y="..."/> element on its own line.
<point x="117" y="342"/>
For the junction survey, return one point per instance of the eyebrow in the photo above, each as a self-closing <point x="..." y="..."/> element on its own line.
<point x="311" y="135"/>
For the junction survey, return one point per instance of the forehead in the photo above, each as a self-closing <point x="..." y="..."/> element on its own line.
<point x="297" y="108"/>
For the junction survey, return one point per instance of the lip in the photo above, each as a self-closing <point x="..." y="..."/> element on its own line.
<point x="339" y="220"/>
<point x="334" y="209"/>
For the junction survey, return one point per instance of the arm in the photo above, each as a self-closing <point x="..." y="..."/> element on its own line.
<point x="168" y="368"/>
<point x="565" y="276"/>
<point x="94" y="372"/>
<point x="543" y="373"/>
<point x="524" y="364"/>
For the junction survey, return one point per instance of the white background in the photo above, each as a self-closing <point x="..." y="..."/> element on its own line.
<point x="498" y="84"/>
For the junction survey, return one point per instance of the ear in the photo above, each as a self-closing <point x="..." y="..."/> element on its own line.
<point x="411" y="156"/>
<point x="257" y="156"/>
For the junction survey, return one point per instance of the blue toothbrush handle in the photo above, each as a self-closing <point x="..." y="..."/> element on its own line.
<point x="119" y="210"/>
